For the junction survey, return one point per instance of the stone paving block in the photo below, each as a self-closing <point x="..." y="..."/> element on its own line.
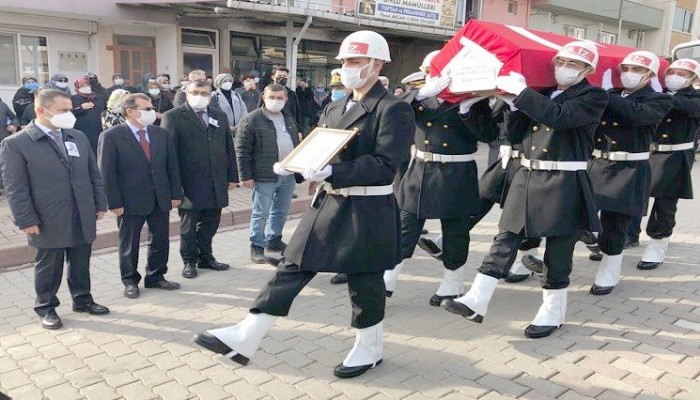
<point x="63" y="392"/>
<point x="100" y="391"/>
<point x="166" y="361"/>
<point x="81" y="378"/>
<point x="117" y="377"/>
<point x="34" y="364"/>
<point x="614" y="370"/>
<point x="316" y="390"/>
<point x="48" y="378"/>
<point x="576" y="384"/>
<point x="26" y="392"/>
<point x="85" y="350"/>
<point x="220" y="374"/>
<point x="651" y="386"/>
<point x="541" y="386"/>
<point x="185" y="375"/>
<point x="354" y="390"/>
<point x="503" y="385"/>
<point x="209" y="390"/>
<point x="281" y="390"/>
<point x="600" y="380"/>
<point x="685" y="384"/>
<point x="244" y="390"/>
<point x="152" y="376"/>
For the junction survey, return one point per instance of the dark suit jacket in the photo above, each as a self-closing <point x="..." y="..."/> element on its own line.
<point x="131" y="180"/>
<point x="205" y="155"/>
<point x="60" y="194"/>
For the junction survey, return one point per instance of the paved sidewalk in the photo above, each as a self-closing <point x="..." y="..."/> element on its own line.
<point x="642" y="341"/>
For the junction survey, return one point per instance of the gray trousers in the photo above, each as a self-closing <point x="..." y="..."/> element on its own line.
<point x="48" y="273"/>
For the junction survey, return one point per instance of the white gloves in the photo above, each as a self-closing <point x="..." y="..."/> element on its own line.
<point x="606" y="83"/>
<point x="277" y="169"/>
<point x="311" y="174"/>
<point x="514" y="83"/>
<point x="656" y="85"/>
<point x="508" y="99"/>
<point x="433" y="87"/>
<point x="467" y="104"/>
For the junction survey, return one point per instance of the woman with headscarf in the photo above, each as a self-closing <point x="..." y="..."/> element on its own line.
<point x="25" y="94"/>
<point x="161" y="103"/>
<point x="59" y="82"/>
<point x="87" y="108"/>
<point x="227" y="100"/>
<point x="114" y="114"/>
<point x="163" y="80"/>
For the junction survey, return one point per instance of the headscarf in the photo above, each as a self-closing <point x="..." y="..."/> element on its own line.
<point x="80" y="82"/>
<point x="319" y="98"/>
<point x="28" y="77"/>
<point x="51" y="84"/>
<point x="144" y="82"/>
<point x="115" y="104"/>
<point x="221" y="78"/>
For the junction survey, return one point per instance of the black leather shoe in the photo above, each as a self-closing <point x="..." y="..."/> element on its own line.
<point x="341" y="371"/>
<point x="430" y="247"/>
<point x="51" y="321"/>
<point x="533" y="263"/>
<point x="595" y="256"/>
<point x="389" y="293"/>
<point x="515" y="278"/>
<point x="273" y="261"/>
<point x="212" y="343"/>
<point x="536" y="332"/>
<point x="163" y="284"/>
<point x="588" y="238"/>
<point x="458" y="308"/>
<point x="276" y="244"/>
<point x="601" y="290"/>
<point x="424" y="231"/>
<point x="211" y="263"/>
<point x="340" y="278"/>
<point x="648" y="265"/>
<point x="190" y="270"/>
<point x="257" y="254"/>
<point x="436" y="300"/>
<point x="91" y="308"/>
<point x="131" y="291"/>
<point x="630" y="243"/>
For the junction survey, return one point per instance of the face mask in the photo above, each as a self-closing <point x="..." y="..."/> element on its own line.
<point x="62" y="85"/>
<point x="567" y="76"/>
<point x="274" y="105"/>
<point x="249" y="85"/>
<point x="119" y="82"/>
<point x="350" y="77"/>
<point x="184" y="83"/>
<point x="631" y="80"/>
<point x="320" y="90"/>
<point x="63" y="121"/>
<point x="92" y="80"/>
<point x="154" y="92"/>
<point x="165" y="86"/>
<point x="256" y="79"/>
<point x="281" y="81"/>
<point x="198" y="102"/>
<point x="675" y="82"/>
<point x="337" y="94"/>
<point x="31" y="86"/>
<point x="147" y="117"/>
<point x="85" y="90"/>
<point x="227" y="85"/>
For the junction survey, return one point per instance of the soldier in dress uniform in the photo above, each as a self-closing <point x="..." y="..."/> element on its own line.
<point x="672" y="156"/>
<point x="619" y="170"/>
<point x="551" y="196"/>
<point x="352" y="224"/>
<point x="441" y="181"/>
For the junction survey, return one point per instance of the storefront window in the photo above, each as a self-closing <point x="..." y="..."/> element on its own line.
<point x="22" y="55"/>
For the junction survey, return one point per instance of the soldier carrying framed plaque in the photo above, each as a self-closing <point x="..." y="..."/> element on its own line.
<point x="317" y="149"/>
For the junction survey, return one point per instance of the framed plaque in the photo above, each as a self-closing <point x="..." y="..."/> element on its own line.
<point x="317" y="149"/>
<point x="472" y="69"/>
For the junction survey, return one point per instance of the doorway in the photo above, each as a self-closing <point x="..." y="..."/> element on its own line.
<point x="134" y="56"/>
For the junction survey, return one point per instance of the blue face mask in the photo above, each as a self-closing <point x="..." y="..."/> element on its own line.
<point x="31" y="86"/>
<point x="338" y="94"/>
<point x="320" y="90"/>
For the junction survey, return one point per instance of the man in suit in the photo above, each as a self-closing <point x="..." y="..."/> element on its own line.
<point x="56" y="196"/>
<point x="352" y="226"/>
<point x="205" y="154"/>
<point x="142" y="179"/>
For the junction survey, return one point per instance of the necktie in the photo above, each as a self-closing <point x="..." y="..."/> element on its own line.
<point x="145" y="146"/>
<point x="200" y="114"/>
<point x="58" y="139"/>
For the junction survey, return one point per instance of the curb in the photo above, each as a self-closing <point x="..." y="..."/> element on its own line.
<point x="15" y="258"/>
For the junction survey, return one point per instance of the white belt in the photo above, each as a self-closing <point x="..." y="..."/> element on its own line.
<point x="672" y="147"/>
<point x="620" y="155"/>
<point x="542" y="165"/>
<point x="507" y="152"/>
<point x="360" y="190"/>
<point x="433" y="157"/>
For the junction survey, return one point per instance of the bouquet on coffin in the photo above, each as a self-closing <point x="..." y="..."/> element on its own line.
<point x="481" y="51"/>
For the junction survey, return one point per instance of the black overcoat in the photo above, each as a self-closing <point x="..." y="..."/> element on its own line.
<point x="554" y="203"/>
<point x="358" y="234"/>
<point x="433" y="190"/>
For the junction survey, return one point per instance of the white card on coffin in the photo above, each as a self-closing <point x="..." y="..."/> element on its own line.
<point x="472" y="69"/>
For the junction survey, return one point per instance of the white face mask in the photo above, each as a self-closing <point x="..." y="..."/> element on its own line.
<point x="119" y="82"/>
<point x="62" y="85"/>
<point x="567" y="76"/>
<point x="351" y="77"/>
<point x="199" y="103"/>
<point x="147" y="117"/>
<point x="256" y="79"/>
<point x="676" y="82"/>
<point x="227" y="85"/>
<point x="165" y="85"/>
<point x="249" y="85"/>
<point x="63" y="121"/>
<point x="631" y="80"/>
<point x="85" y="90"/>
<point x="274" y="105"/>
<point x="154" y="92"/>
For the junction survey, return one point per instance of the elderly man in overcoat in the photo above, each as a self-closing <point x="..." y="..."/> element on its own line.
<point x="56" y="196"/>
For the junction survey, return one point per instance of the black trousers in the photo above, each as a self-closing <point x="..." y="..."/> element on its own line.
<point x="558" y="255"/>
<point x="662" y="219"/>
<point x="48" y="273"/>
<point x="130" y="227"/>
<point x="197" y="228"/>
<point x="635" y="229"/>
<point x="367" y="294"/>
<point x="615" y="227"/>
<point x="455" y="238"/>
<point x="485" y="207"/>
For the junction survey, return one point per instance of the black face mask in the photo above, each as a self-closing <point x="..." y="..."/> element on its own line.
<point x="281" y="81"/>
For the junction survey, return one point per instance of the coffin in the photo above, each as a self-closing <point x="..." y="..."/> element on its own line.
<point x="480" y="51"/>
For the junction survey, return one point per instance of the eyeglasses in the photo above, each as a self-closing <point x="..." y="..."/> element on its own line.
<point x="197" y="93"/>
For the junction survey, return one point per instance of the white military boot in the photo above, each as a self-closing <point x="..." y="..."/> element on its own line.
<point x="365" y="354"/>
<point x="551" y="314"/>
<point x="238" y="342"/>
<point x="391" y="279"/>
<point x="450" y="287"/>
<point x="608" y="274"/>
<point x="475" y="302"/>
<point x="654" y="254"/>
